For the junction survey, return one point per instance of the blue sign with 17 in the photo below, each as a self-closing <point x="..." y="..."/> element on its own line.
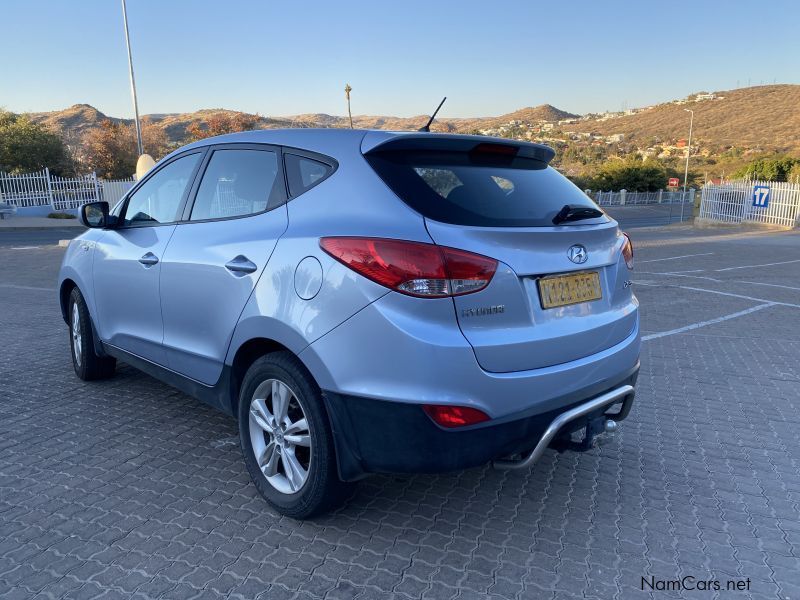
<point x="761" y="196"/>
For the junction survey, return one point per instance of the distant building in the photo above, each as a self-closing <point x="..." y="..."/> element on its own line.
<point x="701" y="97"/>
<point x="680" y="143"/>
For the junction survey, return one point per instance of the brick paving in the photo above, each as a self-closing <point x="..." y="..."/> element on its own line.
<point x="126" y="488"/>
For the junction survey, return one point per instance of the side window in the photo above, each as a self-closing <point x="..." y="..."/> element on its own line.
<point x="304" y="173"/>
<point x="158" y="199"/>
<point x="238" y="183"/>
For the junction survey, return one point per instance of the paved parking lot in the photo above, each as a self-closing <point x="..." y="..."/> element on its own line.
<point x="127" y="488"/>
<point x="649" y="215"/>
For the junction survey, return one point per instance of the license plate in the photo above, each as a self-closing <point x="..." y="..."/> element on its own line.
<point x="561" y="290"/>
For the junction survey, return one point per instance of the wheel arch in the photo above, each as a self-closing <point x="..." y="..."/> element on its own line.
<point x="63" y="296"/>
<point x="245" y="355"/>
<point x="64" y="292"/>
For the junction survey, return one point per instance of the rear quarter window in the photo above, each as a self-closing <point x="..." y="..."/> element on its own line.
<point x="481" y="190"/>
<point x="303" y="173"/>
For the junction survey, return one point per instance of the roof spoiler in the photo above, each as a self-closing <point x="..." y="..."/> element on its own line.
<point x="379" y="141"/>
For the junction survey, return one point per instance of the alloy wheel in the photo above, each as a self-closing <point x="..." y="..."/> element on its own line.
<point x="76" y="333"/>
<point x="280" y="436"/>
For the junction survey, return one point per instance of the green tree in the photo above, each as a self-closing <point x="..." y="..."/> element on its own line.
<point x="26" y="146"/>
<point x="220" y="124"/>
<point x="631" y="174"/>
<point x="776" y="168"/>
<point x="110" y="150"/>
<point x="794" y="174"/>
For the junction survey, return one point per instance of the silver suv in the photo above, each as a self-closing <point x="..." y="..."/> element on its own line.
<point x="363" y="301"/>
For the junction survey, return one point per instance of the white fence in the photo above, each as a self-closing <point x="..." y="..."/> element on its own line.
<point x="739" y="202"/>
<point x="625" y="198"/>
<point x="113" y="190"/>
<point x="72" y="193"/>
<point x="61" y="193"/>
<point x="29" y="189"/>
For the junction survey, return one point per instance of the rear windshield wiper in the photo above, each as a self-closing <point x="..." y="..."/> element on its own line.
<point x="575" y="213"/>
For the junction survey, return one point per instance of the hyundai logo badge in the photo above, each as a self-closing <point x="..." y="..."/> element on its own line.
<point x="577" y="254"/>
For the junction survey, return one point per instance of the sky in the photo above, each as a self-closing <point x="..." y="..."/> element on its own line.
<point x="400" y="57"/>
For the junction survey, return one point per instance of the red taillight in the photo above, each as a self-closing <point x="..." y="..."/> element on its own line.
<point x="454" y="416"/>
<point x="627" y="251"/>
<point x="413" y="268"/>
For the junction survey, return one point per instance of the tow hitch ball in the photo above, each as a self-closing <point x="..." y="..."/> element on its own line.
<point x="594" y="427"/>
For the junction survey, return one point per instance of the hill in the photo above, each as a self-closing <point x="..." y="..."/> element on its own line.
<point x="754" y="119"/>
<point x="763" y="117"/>
<point x="76" y="120"/>
<point x="72" y="122"/>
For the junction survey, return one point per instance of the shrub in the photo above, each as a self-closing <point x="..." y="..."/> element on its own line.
<point x="776" y="168"/>
<point x="631" y="174"/>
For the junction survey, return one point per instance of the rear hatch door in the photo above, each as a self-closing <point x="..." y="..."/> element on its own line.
<point x="499" y="198"/>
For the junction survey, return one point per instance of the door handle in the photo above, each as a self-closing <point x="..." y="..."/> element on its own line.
<point x="240" y="264"/>
<point x="149" y="259"/>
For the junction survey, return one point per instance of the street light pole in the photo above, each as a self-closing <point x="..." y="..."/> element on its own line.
<point x="133" y="82"/>
<point x="688" y="152"/>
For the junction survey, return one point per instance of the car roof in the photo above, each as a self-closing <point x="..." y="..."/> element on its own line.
<point x="314" y="139"/>
<point x="336" y="142"/>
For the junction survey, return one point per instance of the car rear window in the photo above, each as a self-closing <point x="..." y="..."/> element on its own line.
<point x="480" y="189"/>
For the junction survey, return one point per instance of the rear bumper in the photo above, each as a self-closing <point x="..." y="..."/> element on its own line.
<point x="402" y="349"/>
<point x="379" y="436"/>
<point x="378" y="368"/>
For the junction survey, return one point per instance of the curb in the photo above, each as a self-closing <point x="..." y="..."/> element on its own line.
<point x="39" y="228"/>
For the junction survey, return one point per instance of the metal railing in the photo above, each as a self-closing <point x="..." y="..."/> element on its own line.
<point x="42" y="188"/>
<point x="745" y="201"/>
<point x="626" y="198"/>
<point x="27" y="189"/>
<point x="67" y="193"/>
<point x="112" y="190"/>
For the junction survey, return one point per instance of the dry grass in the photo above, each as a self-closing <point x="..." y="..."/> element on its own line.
<point x="764" y="117"/>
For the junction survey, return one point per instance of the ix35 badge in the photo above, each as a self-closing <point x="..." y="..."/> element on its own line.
<point x="483" y="311"/>
<point x="578" y="254"/>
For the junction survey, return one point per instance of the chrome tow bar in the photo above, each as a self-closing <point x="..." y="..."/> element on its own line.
<point x="574" y="413"/>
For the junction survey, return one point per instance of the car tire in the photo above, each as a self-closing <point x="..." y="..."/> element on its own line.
<point x="280" y="410"/>
<point x="88" y="364"/>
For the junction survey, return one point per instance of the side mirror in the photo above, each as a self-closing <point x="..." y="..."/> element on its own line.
<point x="95" y="214"/>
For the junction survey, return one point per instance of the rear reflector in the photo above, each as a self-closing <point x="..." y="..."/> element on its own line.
<point x="413" y="268"/>
<point x="454" y="416"/>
